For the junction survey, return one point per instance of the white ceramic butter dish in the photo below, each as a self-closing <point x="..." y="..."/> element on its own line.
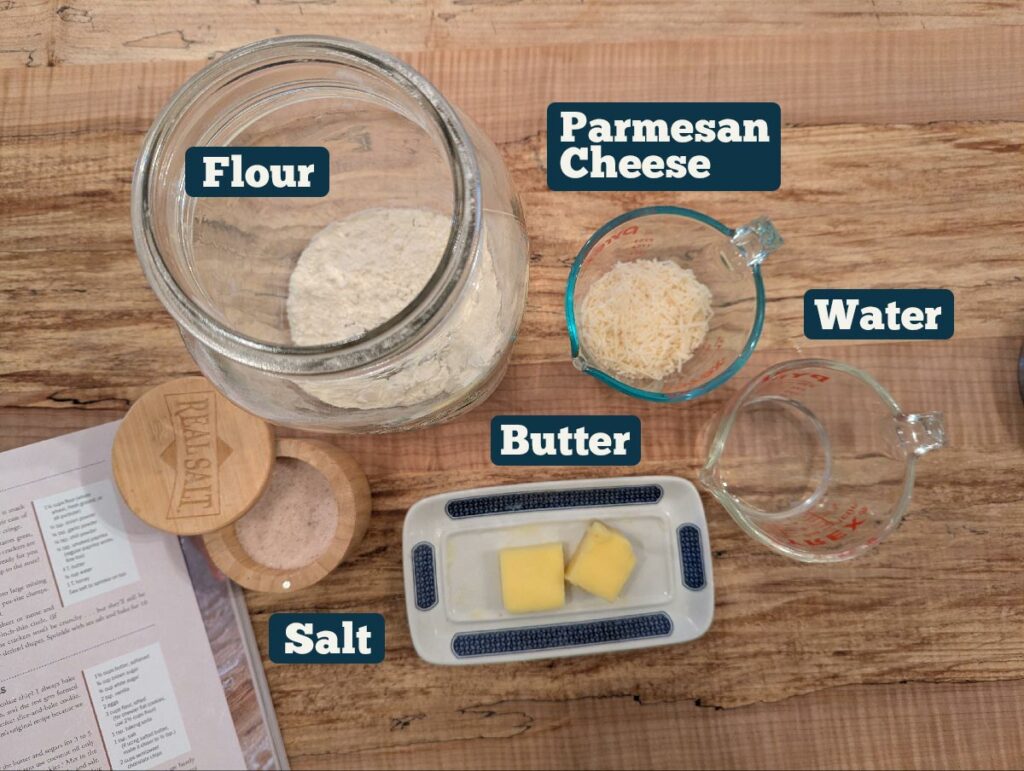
<point x="451" y="542"/>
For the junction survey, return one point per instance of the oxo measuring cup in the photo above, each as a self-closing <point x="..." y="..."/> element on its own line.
<point x="726" y="261"/>
<point x="814" y="459"/>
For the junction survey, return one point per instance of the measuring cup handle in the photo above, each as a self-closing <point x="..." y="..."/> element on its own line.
<point x="921" y="433"/>
<point x="756" y="240"/>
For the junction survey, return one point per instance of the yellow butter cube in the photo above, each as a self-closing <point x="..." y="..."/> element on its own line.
<point x="602" y="563"/>
<point x="533" y="578"/>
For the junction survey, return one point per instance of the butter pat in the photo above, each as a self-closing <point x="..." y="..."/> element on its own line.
<point x="533" y="578"/>
<point x="602" y="563"/>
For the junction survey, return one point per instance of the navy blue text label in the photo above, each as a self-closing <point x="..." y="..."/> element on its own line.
<point x="251" y="172"/>
<point x="326" y="638"/>
<point x="878" y="314"/>
<point x="664" y="146"/>
<point x="565" y="440"/>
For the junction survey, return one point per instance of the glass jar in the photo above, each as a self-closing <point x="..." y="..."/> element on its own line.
<point x="412" y="183"/>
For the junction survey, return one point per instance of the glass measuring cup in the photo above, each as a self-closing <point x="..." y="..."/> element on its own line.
<point x="726" y="261"/>
<point x="815" y="459"/>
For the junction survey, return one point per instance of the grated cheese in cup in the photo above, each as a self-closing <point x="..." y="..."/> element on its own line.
<point x="644" y="319"/>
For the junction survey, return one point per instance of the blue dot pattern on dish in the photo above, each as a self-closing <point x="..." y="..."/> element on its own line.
<point x="691" y="557"/>
<point x="578" y="634"/>
<point x="553" y="499"/>
<point x="424" y="576"/>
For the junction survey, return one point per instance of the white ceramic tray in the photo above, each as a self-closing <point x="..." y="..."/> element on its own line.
<point x="450" y="546"/>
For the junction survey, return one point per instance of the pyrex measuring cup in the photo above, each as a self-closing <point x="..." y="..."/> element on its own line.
<point x="816" y="460"/>
<point x="726" y="261"/>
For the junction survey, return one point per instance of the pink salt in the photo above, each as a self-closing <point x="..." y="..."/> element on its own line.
<point x="293" y="521"/>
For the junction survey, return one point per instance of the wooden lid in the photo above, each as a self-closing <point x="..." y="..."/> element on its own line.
<point x="351" y="492"/>
<point x="188" y="461"/>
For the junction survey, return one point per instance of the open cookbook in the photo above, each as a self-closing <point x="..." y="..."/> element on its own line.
<point x="119" y="646"/>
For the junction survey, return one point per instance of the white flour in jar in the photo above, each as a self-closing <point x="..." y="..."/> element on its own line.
<point x="359" y="272"/>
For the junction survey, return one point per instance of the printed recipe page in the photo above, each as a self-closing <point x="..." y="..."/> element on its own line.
<point x="105" y="662"/>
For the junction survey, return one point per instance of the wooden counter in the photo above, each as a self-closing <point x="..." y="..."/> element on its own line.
<point x="903" y="165"/>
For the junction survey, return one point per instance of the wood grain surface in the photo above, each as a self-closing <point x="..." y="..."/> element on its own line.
<point x="903" y="165"/>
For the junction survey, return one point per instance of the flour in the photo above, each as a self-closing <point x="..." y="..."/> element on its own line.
<point x="361" y="271"/>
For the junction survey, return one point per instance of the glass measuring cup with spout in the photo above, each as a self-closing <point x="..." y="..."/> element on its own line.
<point x="814" y="459"/>
<point x="726" y="261"/>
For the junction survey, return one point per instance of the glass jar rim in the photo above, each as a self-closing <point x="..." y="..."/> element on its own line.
<point x="416" y="319"/>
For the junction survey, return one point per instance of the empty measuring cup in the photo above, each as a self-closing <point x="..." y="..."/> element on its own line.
<point x="816" y="460"/>
<point x="726" y="261"/>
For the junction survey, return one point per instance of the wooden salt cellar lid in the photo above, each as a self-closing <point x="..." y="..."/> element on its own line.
<point x="188" y="461"/>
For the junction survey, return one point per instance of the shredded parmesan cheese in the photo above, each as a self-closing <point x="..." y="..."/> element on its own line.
<point x="644" y="319"/>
